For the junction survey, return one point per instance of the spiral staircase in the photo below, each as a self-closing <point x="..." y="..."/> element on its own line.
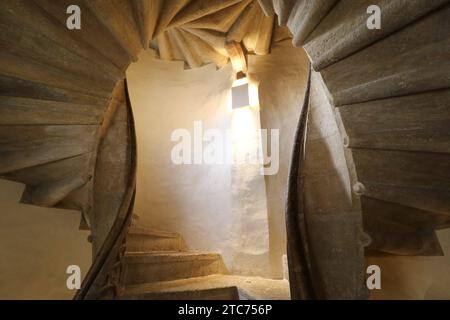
<point x="66" y="125"/>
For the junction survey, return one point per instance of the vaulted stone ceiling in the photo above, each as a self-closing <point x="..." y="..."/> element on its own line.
<point x="200" y="31"/>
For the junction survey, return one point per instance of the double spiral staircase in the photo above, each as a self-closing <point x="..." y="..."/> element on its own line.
<point x="67" y="130"/>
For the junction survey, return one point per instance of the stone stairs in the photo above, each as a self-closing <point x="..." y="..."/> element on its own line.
<point x="242" y="287"/>
<point x="391" y="107"/>
<point x="143" y="239"/>
<point x="225" y="293"/>
<point x="387" y="90"/>
<point x="159" y="266"/>
<point x="150" y="266"/>
<point x="154" y="256"/>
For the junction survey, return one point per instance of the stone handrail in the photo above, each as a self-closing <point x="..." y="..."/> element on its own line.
<point x="103" y="280"/>
<point x="300" y="278"/>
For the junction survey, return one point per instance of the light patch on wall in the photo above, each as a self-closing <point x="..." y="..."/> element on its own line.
<point x="245" y="123"/>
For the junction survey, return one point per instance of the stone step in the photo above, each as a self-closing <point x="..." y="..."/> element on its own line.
<point x="196" y="10"/>
<point x="249" y="288"/>
<point x="14" y="64"/>
<point x="413" y="179"/>
<point x="166" y="47"/>
<point x="141" y="239"/>
<point x="144" y="267"/>
<point x="305" y="17"/>
<point x="206" y="53"/>
<point x="22" y="88"/>
<point x="118" y="17"/>
<point x="412" y="123"/>
<point x="399" y="214"/>
<point x="242" y="24"/>
<point x="192" y="57"/>
<point x="169" y="10"/>
<point x="93" y="35"/>
<point x="389" y="68"/>
<point x="250" y="35"/>
<point x="49" y="184"/>
<point x="226" y="293"/>
<point x="283" y="9"/>
<point x="398" y="239"/>
<point x="222" y="20"/>
<point x="26" y="43"/>
<point x="53" y="29"/>
<point x="51" y="193"/>
<point x="148" y="12"/>
<point x="264" y="38"/>
<point x="267" y="7"/>
<point x="344" y="30"/>
<point x="33" y="145"/>
<point x="26" y="111"/>
<point x="62" y="184"/>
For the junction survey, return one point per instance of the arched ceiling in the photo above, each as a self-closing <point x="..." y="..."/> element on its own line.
<point x="200" y="31"/>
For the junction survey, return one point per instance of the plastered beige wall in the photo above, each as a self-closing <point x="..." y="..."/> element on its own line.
<point x="36" y="246"/>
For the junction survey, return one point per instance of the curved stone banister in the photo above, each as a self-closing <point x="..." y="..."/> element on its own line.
<point x="104" y="277"/>
<point x="297" y="249"/>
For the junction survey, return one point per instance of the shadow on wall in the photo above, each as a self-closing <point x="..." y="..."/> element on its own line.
<point x="36" y="246"/>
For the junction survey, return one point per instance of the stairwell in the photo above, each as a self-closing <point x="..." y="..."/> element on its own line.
<point x="158" y="266"/>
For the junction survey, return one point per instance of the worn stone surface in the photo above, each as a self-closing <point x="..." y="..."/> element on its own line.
<point x="337" y="259"/>
<point x="306" y="16"/>
<point x="101" y="45"/>
<point x="112" y="171"/>
<point x="412" y="60"/>
<point x="144" y="239"/>
<point x="27" y="146"/>
<point x="145" y="267"/>
<point x="252" y="288"/>
<point x="411" y="123"/>
<point x="344" y="31"/>
<point x="226" y="293"/>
